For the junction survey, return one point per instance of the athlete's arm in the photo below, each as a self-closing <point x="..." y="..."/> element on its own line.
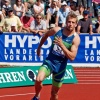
<point x="70" y="54"/>
<point x="46" y="35"/>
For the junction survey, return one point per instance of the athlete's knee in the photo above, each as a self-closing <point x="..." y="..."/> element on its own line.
<point x="39" y="78"/>
<point x="54" y="92"/>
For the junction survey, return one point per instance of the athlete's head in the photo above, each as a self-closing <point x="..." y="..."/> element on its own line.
<point x="71" y="21"/>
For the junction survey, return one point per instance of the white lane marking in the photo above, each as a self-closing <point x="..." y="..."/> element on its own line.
<point x="87" y="75"/>
<point x="89" y="72"/>
<point x="89" y="80"/>
<point x="88" y="83"/>
<point x="12" y="95"/>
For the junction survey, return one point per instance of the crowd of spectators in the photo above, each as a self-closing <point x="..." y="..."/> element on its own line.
<point x="37" y="16"/>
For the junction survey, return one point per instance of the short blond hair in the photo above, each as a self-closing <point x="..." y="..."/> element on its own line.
<point x="72" y="15"/>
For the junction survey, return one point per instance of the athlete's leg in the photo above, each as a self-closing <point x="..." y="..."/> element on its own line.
<point x="42" y="74"/>
<point x="38" y="83"/>
<point x="57" y="83"/>
<point x="54" y="92"/>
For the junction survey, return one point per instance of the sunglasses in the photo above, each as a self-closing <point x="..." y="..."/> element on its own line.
<point x="39" y="18"/>
<point x="10" y="11"/>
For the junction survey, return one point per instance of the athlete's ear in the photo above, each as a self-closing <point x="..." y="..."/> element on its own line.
<point x="76" y="25"/>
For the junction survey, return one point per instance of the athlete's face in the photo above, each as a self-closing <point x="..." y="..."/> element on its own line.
<point x="71" y="23"/>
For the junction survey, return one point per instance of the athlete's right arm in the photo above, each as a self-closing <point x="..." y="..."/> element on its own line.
<point x="44" y="38"/>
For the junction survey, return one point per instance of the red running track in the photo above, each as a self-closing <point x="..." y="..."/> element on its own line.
<point x="87" y="88"/>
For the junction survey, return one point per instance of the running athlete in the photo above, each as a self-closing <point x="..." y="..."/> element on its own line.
<point x="64" y="47"/>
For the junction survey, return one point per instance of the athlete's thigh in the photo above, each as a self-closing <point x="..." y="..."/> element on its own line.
<point x="43" y="72"/>
<point x="58" y="78"/>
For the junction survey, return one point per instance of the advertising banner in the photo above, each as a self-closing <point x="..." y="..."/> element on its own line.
<point x="26" y="75"/>
<point x="89" y="49"/>
<point x="21" y="48"/>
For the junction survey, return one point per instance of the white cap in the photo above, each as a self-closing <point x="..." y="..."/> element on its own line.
<point x="64" y="3"/>
<point x="0" y="12"/>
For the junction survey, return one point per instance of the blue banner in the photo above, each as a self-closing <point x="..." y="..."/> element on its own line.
<point x="21" y="48"/>
<point x="89" y="49"/>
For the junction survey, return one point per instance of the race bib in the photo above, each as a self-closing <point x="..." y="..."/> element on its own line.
<point x="58" y="50"/>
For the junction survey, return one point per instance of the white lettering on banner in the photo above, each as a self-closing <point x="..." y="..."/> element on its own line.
<point x="26" y="38"/>
<point x="12" y="77"/>
<point x="68" y="74"/>
<point x="92" y="42"/>
<point x="98" y="52"/>
<point x="24" y="51"/>
<point x="92" y="55"/>
<point x="17" y="51"/>
<point x="86" y="58"/>
<point x="98" y="58"/>
<point x="86" y="52"/>
<point x="23" y="54"/>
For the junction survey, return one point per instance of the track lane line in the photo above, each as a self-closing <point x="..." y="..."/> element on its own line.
<point x="86" y="75"/>
<point x="12" y="95"/>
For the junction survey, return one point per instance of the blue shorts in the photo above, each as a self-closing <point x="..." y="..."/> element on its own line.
<point x="57" y="77"/>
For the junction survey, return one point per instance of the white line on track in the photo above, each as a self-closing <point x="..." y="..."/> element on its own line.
<point x="89" y="72"/>
<point x="88" y="83"/>
<point x="89" y="80"/>
<point x="12" y="95"/>
<point x="87" y="75"/>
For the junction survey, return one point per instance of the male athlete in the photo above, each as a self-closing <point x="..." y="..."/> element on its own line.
<point x="64" y="47"/>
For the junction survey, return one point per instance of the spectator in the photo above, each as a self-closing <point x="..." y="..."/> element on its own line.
<point x="80" y="9"/>
<point x="28" y="4"/>
<point x="82" y="2"/>
<point x="85" y="24"/>
<point x="5" y="7"/>
<point x="62" y="14"/>
<point x="58" y="3"/>
<point x="1" y="21"/>
<point x="26" y="21"/>
<point x="19" y="8"/>
<point x="97" y="26"/>
<point x="52" y="13"/>
<point x="38" y="26"/>
<point x="74" y="8"/>
<point x="12" y="19"/>
<point x="38" y="7"/>
<point x="96" y="4"/>
<point x="69" y="2"/>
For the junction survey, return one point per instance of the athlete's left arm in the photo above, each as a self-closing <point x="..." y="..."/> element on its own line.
<point x="70" y="54"/>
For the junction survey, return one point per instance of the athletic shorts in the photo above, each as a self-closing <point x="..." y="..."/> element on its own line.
<point x="57" y="77"/>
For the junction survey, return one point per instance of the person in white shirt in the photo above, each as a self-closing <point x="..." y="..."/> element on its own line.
<point x="38" y="7"/>
<point x="51" y="13"/>
<point x="38" y="26"/>
<point x="19" y="8"/>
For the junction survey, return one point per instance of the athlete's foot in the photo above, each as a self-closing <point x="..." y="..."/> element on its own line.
<point x="35" y="98"/>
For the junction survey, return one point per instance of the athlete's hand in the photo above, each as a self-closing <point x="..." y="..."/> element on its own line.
<point x="58" y="41"/>
<point x="38" y="51"/>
